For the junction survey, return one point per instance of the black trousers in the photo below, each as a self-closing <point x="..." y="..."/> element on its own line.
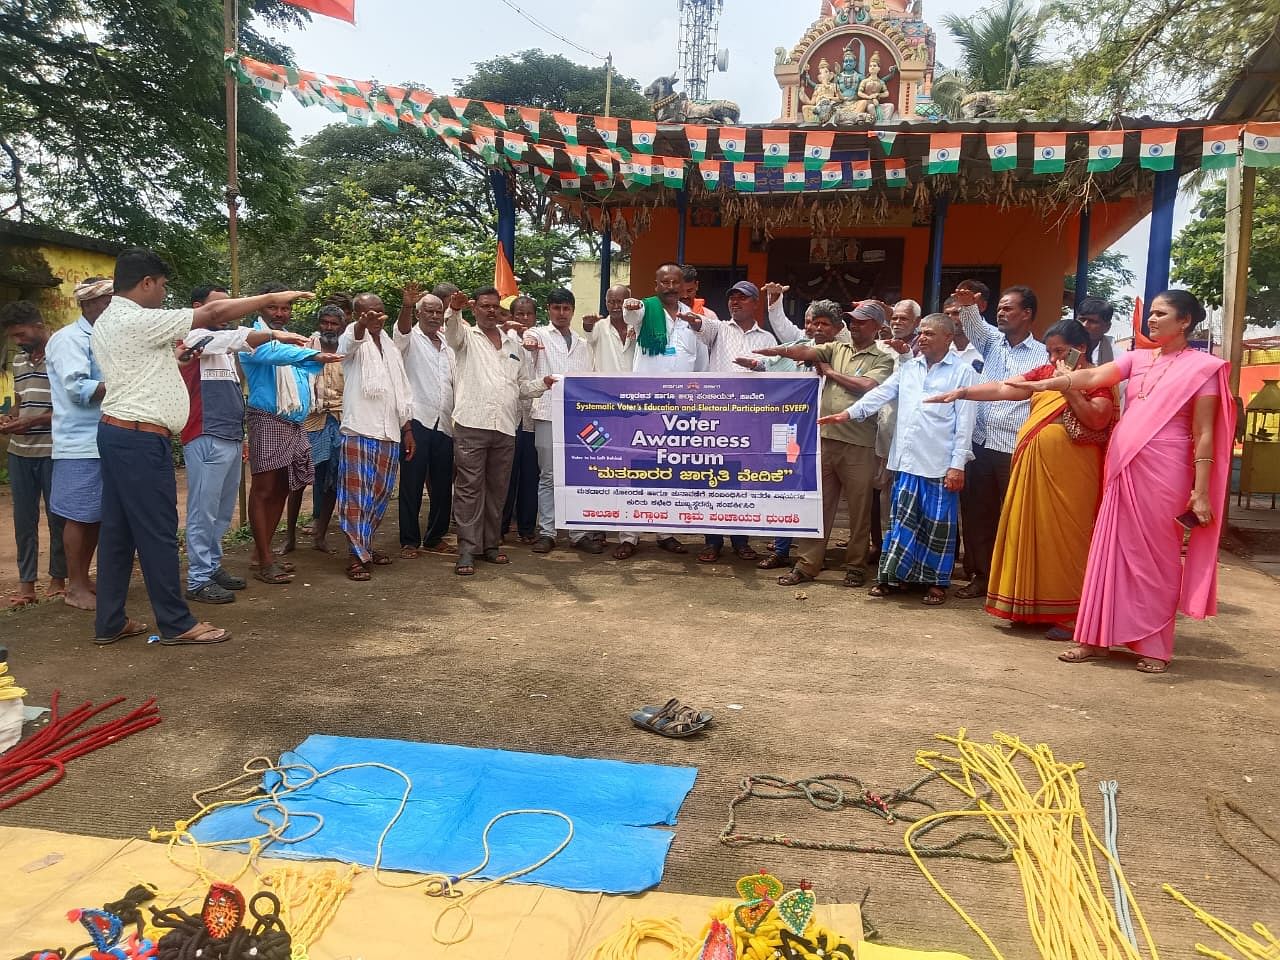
<point x="139" y="516"/>
<point x="431" y="468"/>
<point x="522" y="494"/>
<point x="986" y="481"/>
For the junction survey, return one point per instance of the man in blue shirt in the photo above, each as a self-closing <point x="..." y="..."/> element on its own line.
<point x="76" y="389"/>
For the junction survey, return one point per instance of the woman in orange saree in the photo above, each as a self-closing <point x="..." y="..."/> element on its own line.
<point x="1055" y="486"/>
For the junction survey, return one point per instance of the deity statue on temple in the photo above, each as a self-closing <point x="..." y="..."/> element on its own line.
<point x="824" y="91"/>
<point x="871" y="90"/>
<point x="848" y="79"/>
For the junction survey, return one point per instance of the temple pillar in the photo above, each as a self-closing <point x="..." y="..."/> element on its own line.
<point x="682" y="212"/>
<point x="933" y="267"/>
<point x="1160" y="239"/>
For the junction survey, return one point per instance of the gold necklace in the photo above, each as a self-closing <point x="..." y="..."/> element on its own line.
<point x="1143" y="392"/>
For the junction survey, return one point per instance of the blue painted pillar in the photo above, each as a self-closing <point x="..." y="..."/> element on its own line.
<point x="504" y="204"/>
<point x="682" y="211"/>
<point x="1160" y="240"/>
<point x="606" y="260"/>
<point x="1082" y="257"/>
<point x="933" y="270"/>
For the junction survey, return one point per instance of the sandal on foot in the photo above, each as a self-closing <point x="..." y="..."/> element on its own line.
<point x="379" y="558"/>
<point x="21" y="600"/>
<point x="972" y="590"/>
<point x="746" y="553"/>
<point x="465" y="566"/>
<point x="409" y="553"/>
<point x="855" y="578"/>
<point x="794" y="578"/>
<point x="624" y="551"/>
<point x="274" y="573"/>
<point x="771" y="562"/>
<point x="494" y="555"/>
<point x="1060" y="634"/>
<point x="358" y="570"/>
<point x="672" y="545"/>
<point x="709" y="555"/>
<point x="934" y="597"/>
<point x="132" y="628"/>
<point x="1082" y="652"/>
<point x="1151" y="665"/>
<point x="200" y="633"/>
<point x="882" y="590"/>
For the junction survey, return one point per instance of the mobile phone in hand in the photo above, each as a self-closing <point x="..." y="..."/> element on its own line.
<point x="1073" y="358"/>
<point x="1189" y="520"/>
<point x="195" y="348"/>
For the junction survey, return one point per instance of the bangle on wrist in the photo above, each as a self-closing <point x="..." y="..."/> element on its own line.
<point x="1203" y="460"/>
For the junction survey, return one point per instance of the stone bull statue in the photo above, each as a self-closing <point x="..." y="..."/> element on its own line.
<point x="672" y="107"/>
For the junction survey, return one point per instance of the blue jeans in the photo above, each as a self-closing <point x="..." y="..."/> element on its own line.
<point x="213" y="480"/>
<point x="31" y="478"/>
<point x="716" y="541"/>
<point x="782" y="547"/>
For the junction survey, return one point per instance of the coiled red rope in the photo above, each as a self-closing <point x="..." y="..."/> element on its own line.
<point x="43" y="756"/>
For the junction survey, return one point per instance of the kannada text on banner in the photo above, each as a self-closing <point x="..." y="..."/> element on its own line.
<point x="695" y="453"/>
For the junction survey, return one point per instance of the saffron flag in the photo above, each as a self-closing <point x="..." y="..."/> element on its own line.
<point x="607" y="130"/>
<point x="1159" y="148"/>
<point x="733" y="143"/>
<point x="643" y="135"/>
<point x="895" y="172"/>
<point x="1002" y="148"/>
<point x="531" y="117"/>
<point x="1220" y="147"/>
<point x="744" y="177"/>
<point x="793" y="178"/>
<point x="710" y="170"/>
<point x="338" y="9"/>
<point x="886" y="138"/>
<point x="817" y="149"/>
<point x="1106" y="150"/>
<point x="504" y="277"/>
<point x="1140" y="340"/>
<point x="861" y="174"/>
<point x="672" y="172"/>
<point x="696" y="134"/>
<point x="568" y="124"/>
<point x="832" y="176"/>
<point x="1262" y="144"/>
<point x="944" y="153"/>
<point x="1051" y="152"/>
<point x="777" y="147"/>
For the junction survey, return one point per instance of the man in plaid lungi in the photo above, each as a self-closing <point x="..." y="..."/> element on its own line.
<point x="931" y="445"/>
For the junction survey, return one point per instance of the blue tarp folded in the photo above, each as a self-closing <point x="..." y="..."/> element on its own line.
<point x="456" y="791"/>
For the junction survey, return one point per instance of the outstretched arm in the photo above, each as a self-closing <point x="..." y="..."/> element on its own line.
<point x="1107" y="375"/>
<point x="994" y="390"/>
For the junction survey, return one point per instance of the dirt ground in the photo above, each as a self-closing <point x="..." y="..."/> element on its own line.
<point x="550" y="654"/>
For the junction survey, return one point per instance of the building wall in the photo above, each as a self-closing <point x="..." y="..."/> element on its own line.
<point x="58" y="304"/>
<point x="586" y="284"/>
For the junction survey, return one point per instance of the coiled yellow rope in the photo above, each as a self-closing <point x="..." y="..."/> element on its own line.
<point x="1043" y="819"/>
<point x="1268" y="948"/>
<point x="625" y="944"/>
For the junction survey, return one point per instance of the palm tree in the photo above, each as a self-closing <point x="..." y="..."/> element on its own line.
<point x="997" y="43"/>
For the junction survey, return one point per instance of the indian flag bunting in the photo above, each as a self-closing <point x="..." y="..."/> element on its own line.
<point x="542" y="176"/>
<point x="710" y="170"/>
<point x="578" y="157"/>
<point x="861" y="174"/>
<point x="570" y="184"/>
<point x="895" y="172"/>
<point x="514" y="145"/>
<point x="1002" y="148"/>
<point x="602" y="159"/>
<point x="744" y="177"/>
<point x="548" y="154"/>
<point x="306" y="94"/>
<point x="607" y="130"/>
<point x="1106" y="150"/>
<point x="733" y="144"/>
<point x="267" y="80"/>
<point x="407" y="116"/>
<point x="832" y="176"/>
<point x="357" y="109"/>
<point x="944" y="153"/>
<point x="486" y="140"/>
<point x="395" y="96"/>
<point x="459" y="107"/>
<point x="331" y="97"/>
<point x="777" y="147"/>
<point x="886" y="138"/>
<point x="343" y="84"/>
<point x="498" y="111"/>
<point x="450" y="141"/>
<point x="1051" y="152"/>
<point x="817" y="149"/>
<point x="1159" y="148"/>
<point x="1262" y="144"/>
<point x="531" y="117"/>
<point x="643" y="135"/>
<point x="672" y="172"/>
<point x="793" y="178"/>
<point x="420" y="100"/>
<point x="387" y="114"/>
<point x="568" y="124"/>
<point x="1220" y="147"/>
<point x="696" y="134"/>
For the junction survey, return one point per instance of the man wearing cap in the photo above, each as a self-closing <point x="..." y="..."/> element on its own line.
<point x="76" y="388"/>
<point x="848" y="448"/>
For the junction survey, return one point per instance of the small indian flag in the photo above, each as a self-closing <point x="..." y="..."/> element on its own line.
<point x="793" y="178"/>
<point x="832" y="176"/>
<point x="607" y="130"/>
<point x="643" y="135"/>
<point x="578" y="157"/>
<point x="497" y="111"/>
<point x="944" y="153"/>
<point x="513" y="145"/>
<point x="642" y="170"/>
<point x="420" y="100"/>
<point x="744" y="177"/>
<point x="602" y="159"/>
<point x="710" y="170"/>
<point x="1106" y="150"/>
<point x="1262" y="144"/>
<point x="331" y="97"/>
<point x="548" y="154"/>
<point x="777" y="147"/>
<point x="1159" y="148"/>
<point x="696" y="134"/>
<point x="486" y="141"/>
<point x="1002" y="148"/>
<point x="357" y="109"/>
<point x="895" y="172"/>
<point x="861" y="174"/>
<point x="672" y="172"/>
<point x="459" y="107"/>
<point x="1051" y="152"/>
<point x="570" y="184"/>
<point x="568" y="124"/>
<point x="817" y="149"/>
<point x="542" y="176"/>
<point x="886" y="138"/>
<point x="1220" y="147"/>
<point x="386" y="113"/>
<point x="531" y="117"/>
<point x="267" y="80"/>
<point x="733" y="143"/>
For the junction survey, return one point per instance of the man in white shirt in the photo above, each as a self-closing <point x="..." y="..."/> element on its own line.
<point x="429" y="363"/>
<point x="665" y="343"/>
<point x="487" y="390"/>
<point x="1095" y="314"/>
<point x="961" y="345"/>
<point x="146" y="404"/>
<point x="521" y="505"/>
<point x="613" y="343"/>
<point x="931" y="445"/>
<point x="782" y="326"/>
<point x="377" y="408"/>
<point x="554" y="350"/>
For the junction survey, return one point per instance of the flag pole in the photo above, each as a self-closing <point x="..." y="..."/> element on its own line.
<point x="230" y="43"/>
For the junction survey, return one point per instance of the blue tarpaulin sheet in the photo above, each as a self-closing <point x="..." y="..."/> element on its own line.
<point x="615" y="806"/>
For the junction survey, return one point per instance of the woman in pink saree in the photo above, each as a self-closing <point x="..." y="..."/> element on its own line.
<point x="1169" y="458"/>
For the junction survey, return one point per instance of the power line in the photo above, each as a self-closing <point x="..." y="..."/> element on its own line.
<point x="547" y="30"/>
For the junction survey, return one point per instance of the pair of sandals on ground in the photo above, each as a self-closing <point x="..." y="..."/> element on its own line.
<point x="17" y="600"/>
<point x="673" y="719"/>
<point x="202" y="633"/>
<point x="1080" y="652"/>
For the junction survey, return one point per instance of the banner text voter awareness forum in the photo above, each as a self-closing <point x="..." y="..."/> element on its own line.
<point x="700" y="453"/>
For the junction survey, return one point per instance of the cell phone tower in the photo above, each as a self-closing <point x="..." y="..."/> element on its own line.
<point x="699" y="34"/>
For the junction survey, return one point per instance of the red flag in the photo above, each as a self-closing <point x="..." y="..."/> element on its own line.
<point x="1140" y="339"/>
<point x="504" y="278"/>
<point x="338" y="9"/>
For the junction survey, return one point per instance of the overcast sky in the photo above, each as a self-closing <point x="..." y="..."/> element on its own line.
<point x="436" y="44"/>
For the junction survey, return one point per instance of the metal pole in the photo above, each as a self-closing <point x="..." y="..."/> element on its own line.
<point x="1082" y="258"/>
<point x="230" y="43"/>
<point x="937" y="233"/>
<point x="606" y="260"/>
<point x="733" y="262"/>
<point x="1160" y="239"/>
<point x="608" y="84"/>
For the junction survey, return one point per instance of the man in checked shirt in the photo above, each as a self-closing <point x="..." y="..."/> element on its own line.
<point x="1007" y="350"/>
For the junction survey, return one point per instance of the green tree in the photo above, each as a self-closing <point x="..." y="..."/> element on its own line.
<point x="997" y="44"/>
<point x="1197" y="250"/>
<point x="1109" y="273"/>
<point x="532" y="78"/>
<point x="111" y="120"/>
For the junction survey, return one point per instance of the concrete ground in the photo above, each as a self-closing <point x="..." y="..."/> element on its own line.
<point x="550" y="654"/>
